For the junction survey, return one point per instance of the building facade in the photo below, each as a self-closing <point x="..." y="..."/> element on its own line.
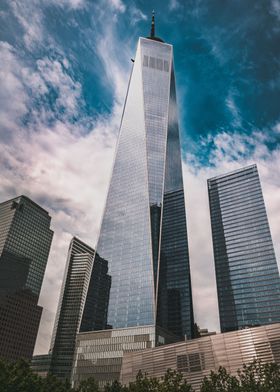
<point x="40" y="364"/>
<point x="195" y="359"/>
<point x="25" y="240"/>
<point x="70" y="307"/>
<point x="247" y="275"/>
<point x="143" y="235"/>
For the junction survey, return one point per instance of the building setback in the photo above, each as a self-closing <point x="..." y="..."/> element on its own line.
<point x="247" y="276"/>
<point x="196" y="358"/>
<point x="71" y="303"/>
<point x="25" y="240"/>
<point x="143" y="235"/>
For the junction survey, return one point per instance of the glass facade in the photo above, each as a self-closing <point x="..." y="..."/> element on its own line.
<point x="247" y="275"/>
<point x="40" y="364"/>
<point x="25" y="232"/>
<point x="70" y="307"/>
<point x="143" y="236"/>
<point x="195" y="359"/>
<point x="25" y="240"/>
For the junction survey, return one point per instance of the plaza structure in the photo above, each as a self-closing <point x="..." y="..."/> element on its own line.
<point x="195" y="359"/>
<point x="70" y="308"/>
<point x="143" y="235"/>
<point x="247" y="275"/>
<point x="25" y="240"/>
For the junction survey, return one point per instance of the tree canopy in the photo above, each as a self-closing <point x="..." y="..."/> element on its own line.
<point x="253" y="377"/>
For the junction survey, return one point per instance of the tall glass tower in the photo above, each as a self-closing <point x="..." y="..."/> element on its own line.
<point x="143" y="235"/>
<point x="246" y="270"/>
<point x="69" y="312"/>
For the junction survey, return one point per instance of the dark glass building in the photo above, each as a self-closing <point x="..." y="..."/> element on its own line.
<point x="143" y="235"/>
<point x="247" y="275"/>
<point x="40" y="364"/>
<point x="25" y="240"/>
<point x="71" y="303"/>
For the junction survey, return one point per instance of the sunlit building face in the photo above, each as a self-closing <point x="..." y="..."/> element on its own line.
<point x="143" y="235"/>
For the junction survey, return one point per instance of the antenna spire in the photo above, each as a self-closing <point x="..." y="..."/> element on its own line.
<point x="152" y="33"/>
<point x="153" y="25"/>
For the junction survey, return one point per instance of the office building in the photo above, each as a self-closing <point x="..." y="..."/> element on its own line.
<point x="71" y="303"/>
<point x="25" y="240"/>
<point x="246" y="270"/>
<point x="195" y="359"/>
<point x="40" y="364"/>
<point x="143" y="235"/>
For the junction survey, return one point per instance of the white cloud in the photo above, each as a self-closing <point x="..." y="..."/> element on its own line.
<point x="30" y="18"/>
<point x="116" y="61"/>
<point x="117" y="5"/>
<point x="13" y="95"/>
<point x="136" y="15"/>
<point x="69" y="91"/>
<point x="275" y="8"/>
<point x="72" y="4"/>
<point x="233" y="109"/>
<point x="174" y="5"/>
<point x="67" y="174"/>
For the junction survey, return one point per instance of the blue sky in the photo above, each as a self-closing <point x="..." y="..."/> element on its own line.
<point x="64" y="71"/>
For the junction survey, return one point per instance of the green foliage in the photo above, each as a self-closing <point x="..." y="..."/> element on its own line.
<point x="116" y="386"/>
<point x="144" y="384"/>
<point x="254" y="377"/>
<point x="171" y="382"/>
<point x="221" y="381"/>
<point x="174" y="382"/>
<point x="18" y="377"/>
<point x="89" y="385"/>
<point x="258" y="377"/>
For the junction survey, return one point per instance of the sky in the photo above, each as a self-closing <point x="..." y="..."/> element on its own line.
<point x="64" y="70"/>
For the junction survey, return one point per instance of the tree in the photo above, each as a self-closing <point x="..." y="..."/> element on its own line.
<point x="116" y="386"/>
<point x="18" y="377"/>
<point x="143" y="384"/>
<point x="174" y="382"/>
<point x="53" y="384"/>
<point x="221" y="381"/>
<point x="89" y="385"/>
<point x="258" y="377"/>
<point x="254" y="377"/>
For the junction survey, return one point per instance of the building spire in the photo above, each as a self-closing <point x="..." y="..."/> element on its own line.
<point x="153" y="25"/>
<point x="152" y="35"/>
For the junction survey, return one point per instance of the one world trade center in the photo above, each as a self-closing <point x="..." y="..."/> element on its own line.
<point x="143" y="242"/>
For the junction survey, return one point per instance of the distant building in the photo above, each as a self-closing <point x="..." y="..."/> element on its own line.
<point x="70" y="307"/>
<point x="196" y="358"/>
<point x="247" y="275"/>
<point x="40" y="364"/>
<point x="25" y="240"/>
<point x="201" y="332"/>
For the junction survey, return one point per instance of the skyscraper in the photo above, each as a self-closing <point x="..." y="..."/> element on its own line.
<point x="71" y="302"/>
<point x="25" y="240"/>
<point x="143" y="235"/>
<point x="247" y="276"/>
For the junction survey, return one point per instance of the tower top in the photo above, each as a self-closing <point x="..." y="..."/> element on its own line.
<point x="152" y="33"/>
